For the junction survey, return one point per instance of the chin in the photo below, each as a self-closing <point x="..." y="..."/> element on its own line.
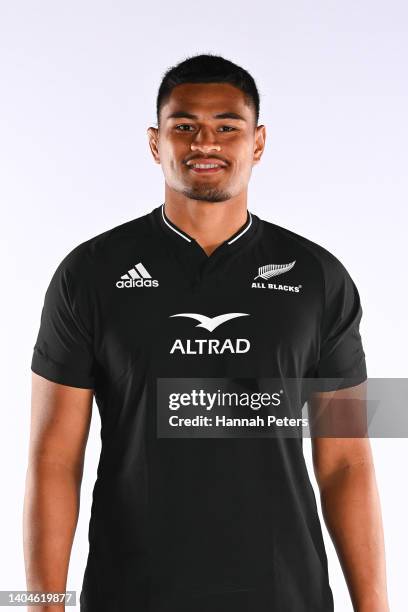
<point x="210" y="194"/>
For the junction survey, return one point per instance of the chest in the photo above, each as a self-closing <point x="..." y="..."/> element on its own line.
<point x="229" y="318"/>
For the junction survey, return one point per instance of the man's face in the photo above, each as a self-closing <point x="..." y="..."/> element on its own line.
<point x="207" y="123"/>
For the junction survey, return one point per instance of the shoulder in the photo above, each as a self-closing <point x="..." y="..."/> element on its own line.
<point x="89" y="256"/>
<point x="314" y="254"/>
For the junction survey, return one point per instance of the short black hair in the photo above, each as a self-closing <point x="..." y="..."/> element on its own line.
<point x="208" y="68"/>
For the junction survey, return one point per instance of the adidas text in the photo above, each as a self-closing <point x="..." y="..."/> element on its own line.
<point x="139" y="282"/>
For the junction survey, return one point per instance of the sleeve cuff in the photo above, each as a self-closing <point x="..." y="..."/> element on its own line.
<point x="55" y="372"/>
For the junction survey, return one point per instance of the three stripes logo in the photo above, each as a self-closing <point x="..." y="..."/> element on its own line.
<point x="137" y="276"/>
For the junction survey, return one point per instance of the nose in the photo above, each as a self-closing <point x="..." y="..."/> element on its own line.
<point x="204" y="142"/>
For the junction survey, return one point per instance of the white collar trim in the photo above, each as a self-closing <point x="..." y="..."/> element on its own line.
<point x="173" y="228"/>
<point x="189" y="239"/>
<point x="243" y="231"/>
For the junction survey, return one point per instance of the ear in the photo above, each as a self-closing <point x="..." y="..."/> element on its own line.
<point x="153" y="136"/>
<point x="260" y="138"/>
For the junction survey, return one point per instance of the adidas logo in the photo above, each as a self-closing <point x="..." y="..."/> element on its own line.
<point x="137" y="276"/>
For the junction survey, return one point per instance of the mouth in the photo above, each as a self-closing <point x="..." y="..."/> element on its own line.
<point x="202" y="169"/>
<point x="207" y="167"/>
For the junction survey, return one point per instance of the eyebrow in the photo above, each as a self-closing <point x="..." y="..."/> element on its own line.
<point x="185" y="115"/>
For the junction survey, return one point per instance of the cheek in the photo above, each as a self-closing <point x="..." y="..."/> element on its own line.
<point x="243" y="152"/>
<point x="242" y="165"/>
<point x="173" y="155"/>
<point x="167" y="156"/>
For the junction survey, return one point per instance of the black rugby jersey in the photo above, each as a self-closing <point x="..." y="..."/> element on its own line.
<point x="200" y="518"/>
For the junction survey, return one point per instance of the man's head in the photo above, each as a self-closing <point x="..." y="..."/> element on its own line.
<point x="207" y="113"/>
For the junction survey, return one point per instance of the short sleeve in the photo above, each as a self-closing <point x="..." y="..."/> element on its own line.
<point x="63" y="351"/>
<point x="341" y="354"/>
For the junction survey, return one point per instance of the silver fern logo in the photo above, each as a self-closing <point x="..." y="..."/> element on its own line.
<point x="265" y="273"/>
<point x="271" y="270"/>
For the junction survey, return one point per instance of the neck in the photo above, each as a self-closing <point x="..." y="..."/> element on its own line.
<point x="209" y="223"/>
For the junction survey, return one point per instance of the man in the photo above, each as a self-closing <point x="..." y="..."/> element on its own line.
<point x="155" y="317"/>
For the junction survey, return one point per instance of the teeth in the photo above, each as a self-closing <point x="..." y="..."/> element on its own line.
<point x="205" y="165"/>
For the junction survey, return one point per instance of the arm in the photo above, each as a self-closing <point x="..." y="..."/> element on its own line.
<point x="60" y="420"/>
<point x="345" y="475"/>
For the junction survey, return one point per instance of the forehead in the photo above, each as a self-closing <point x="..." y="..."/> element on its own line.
<point x="206" y="99"/>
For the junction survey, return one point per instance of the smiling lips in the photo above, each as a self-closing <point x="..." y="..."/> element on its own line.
<point x="206" y="165"/>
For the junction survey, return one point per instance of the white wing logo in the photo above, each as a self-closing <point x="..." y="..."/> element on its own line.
<point x="271" y="270"/>
<point x="211" y="323"/>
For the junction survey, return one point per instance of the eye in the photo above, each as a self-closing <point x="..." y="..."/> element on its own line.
<point x="183" y="125"/>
